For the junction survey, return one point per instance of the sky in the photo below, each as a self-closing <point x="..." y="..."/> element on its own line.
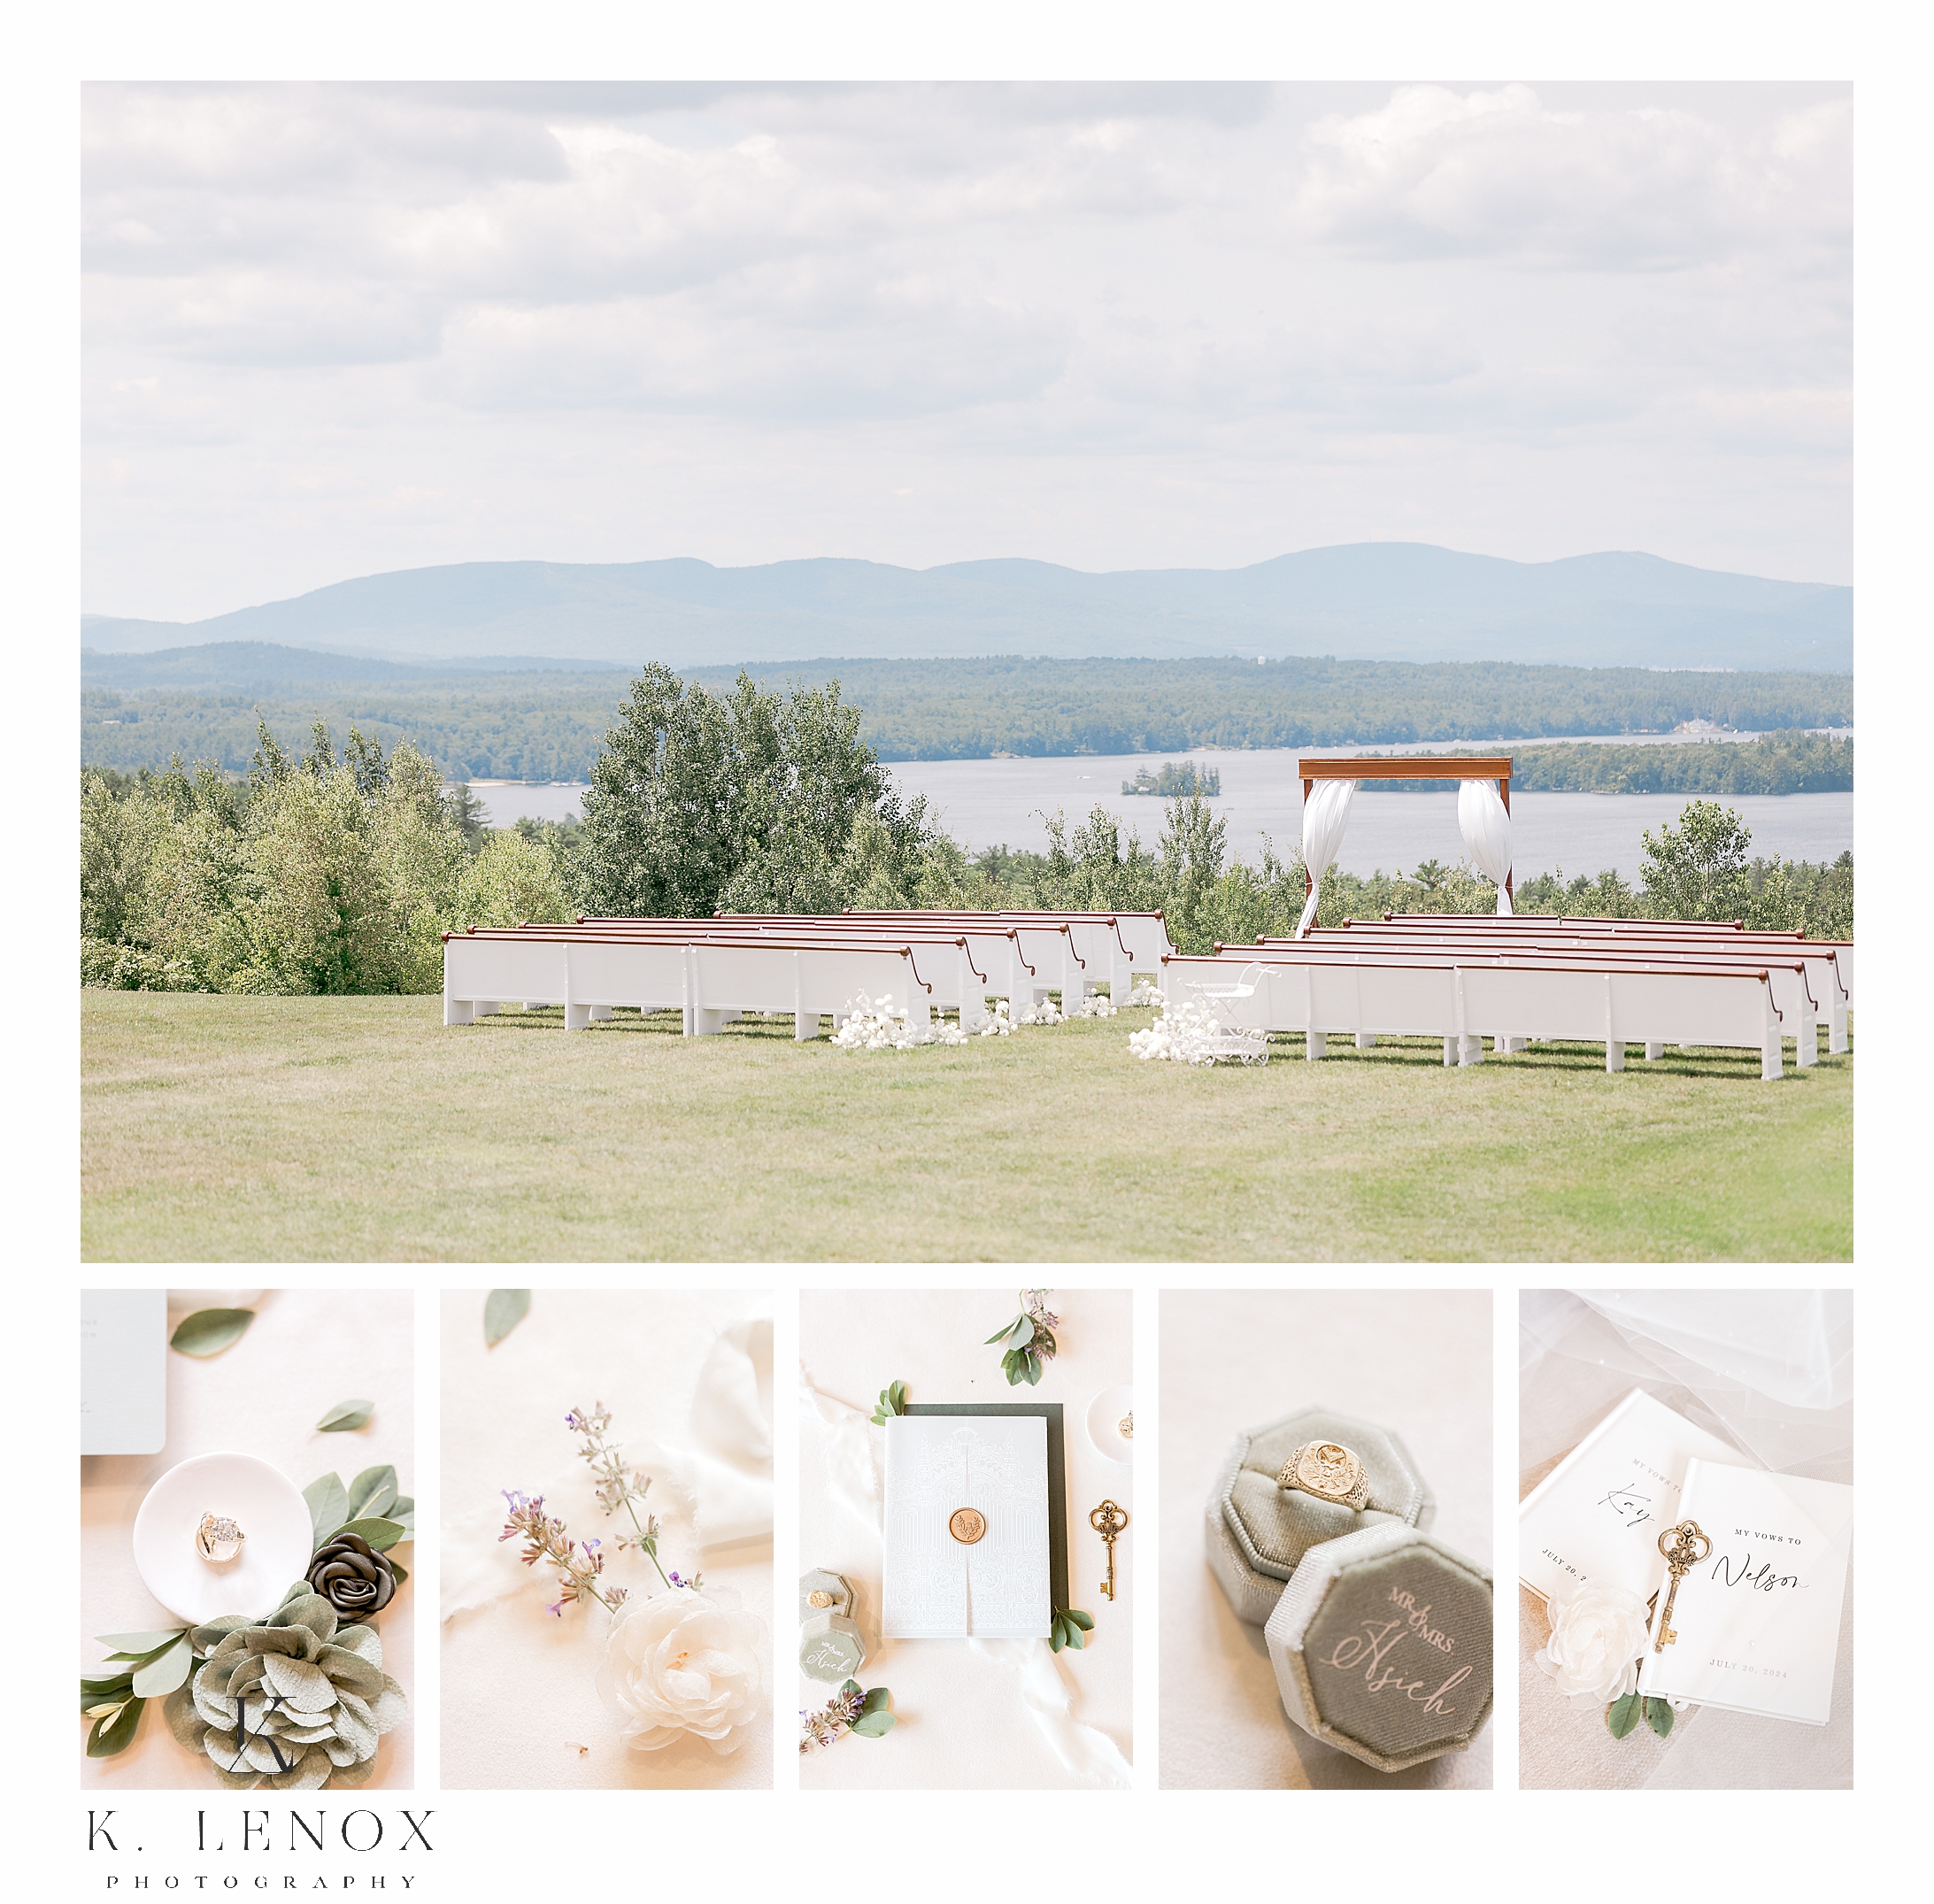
<point x="332" y="330"/>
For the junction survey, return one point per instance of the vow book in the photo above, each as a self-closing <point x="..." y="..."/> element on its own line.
<point x="1757" y="1619"/>
<point x="1598" y="1514"/>
<point x="984" y="1476"/>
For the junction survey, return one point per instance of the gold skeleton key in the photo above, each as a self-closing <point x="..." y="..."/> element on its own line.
<point x="1108" y="1520"/>
<point x="1684" y="1546"/>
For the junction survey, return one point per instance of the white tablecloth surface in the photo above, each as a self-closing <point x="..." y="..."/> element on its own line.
<point x="518" y="1697"/>
<point x="307" y="1350"/>
<point x="1575" y="1363"/>
<point x="963" y="1706"/>
<point x="1416" y="1361"/>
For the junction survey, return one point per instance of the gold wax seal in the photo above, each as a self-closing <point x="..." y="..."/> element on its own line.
<point x="967" y="1526"/>
<point x="819" y="1597"/>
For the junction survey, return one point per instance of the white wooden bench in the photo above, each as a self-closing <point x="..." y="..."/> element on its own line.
<point x="1828" y="963"/>
<point x="958" y="980"/>
<point x="1113" y="946"/>
<point x="1458" y="1000"/>
<point x="710" y="980"/>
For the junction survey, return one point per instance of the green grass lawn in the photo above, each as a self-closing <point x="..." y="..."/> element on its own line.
<point x="360" y="1129"/>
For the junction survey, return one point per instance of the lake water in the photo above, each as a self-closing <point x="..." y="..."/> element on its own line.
<point x="987" y="803"/>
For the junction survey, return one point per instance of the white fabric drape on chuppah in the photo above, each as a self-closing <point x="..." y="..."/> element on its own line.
<point x="1485" y="823"/>
<point x="1325" y="814"/>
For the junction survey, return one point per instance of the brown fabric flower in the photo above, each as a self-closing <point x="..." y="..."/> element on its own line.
<point x="351" y="1576"/>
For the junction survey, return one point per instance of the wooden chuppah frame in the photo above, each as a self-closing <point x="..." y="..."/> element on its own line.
<point x="1494" y="766"/>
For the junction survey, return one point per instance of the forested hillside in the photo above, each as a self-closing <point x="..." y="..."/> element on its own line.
<point x="544" y="724"/>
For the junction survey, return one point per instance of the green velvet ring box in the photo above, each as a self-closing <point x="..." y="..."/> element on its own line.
<point x="1382" y="1647"/>
<point x="1258" y="1532"/>
<point x="831" y="1645"/>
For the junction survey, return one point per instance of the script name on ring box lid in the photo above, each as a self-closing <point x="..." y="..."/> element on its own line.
<point x="831" y="1648"/>
<point x="1382" y="1647"/>
<point x="821" y="1592"/>
<point x="1257" y="1532"/>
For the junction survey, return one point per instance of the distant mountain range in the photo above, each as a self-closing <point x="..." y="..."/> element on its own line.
<point x="1372" y="601"/>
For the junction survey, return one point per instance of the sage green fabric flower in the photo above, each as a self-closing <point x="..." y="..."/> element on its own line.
<point x="292" y="1702"/>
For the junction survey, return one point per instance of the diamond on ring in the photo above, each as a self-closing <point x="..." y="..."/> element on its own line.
<point x="218" y="1539"/>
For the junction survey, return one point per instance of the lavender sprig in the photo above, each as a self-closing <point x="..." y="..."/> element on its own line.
<point x="621" y="1487"/>
<point x="864" y="1715"/>
<point x="578" y="1563"/>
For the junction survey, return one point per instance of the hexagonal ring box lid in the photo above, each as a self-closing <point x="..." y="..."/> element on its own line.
<point x="1257" y="1532"/>
<point x="1382" y="1647"/>
<point x="823" y="1592"/>
<point x="831" y="1645"/>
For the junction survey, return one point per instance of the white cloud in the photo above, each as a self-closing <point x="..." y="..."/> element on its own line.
<point x="1437" y="173"/>
<point x="1106" y="326"/>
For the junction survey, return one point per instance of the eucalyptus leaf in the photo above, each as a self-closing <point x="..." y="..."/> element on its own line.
<point x="139" y="1645"/>
<point x="1001" y="1334"/>
<point x="395" y="1566"/>
<point x="402" y="1509"/>
<point x="380" y="1533"/>
<point x="875" y="1701"/>
<point x="209" y="1331"/>
<point x="897" y="1393"/>
<point x="328" y="1506"/>
<point x="1074" y="1638"/>
<point x="1622" y="1714"/>
<point x="1010" y="1366"/>
<point x="162" y="1675"/>
<point x="1659" y="1716"/>
<point x="1074" y="1616"/>
<point x="115" y="1733"/>
<point x="1033" y="1364"/>
<point x="372" y="1492"/>
<point x="848" y="1687"/>
<point x="345" y="1416"/>
<point x="96" y="1693"/>
<point x="503" y="1310"/>
<point x="874" y="1724"/>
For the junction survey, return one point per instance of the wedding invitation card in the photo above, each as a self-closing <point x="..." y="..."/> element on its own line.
<point x="124" y="1371"/>
<point x="1598" y="1514"/>
<point x="968" y="1526"/>
<point x="1758" y="1617"/>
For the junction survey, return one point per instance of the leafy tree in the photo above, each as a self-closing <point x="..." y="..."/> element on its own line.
<point x="1193" y="845"/>
<point x="1698" y="870"/>
<point x="467" y="814"/>
<point x="749" y="801"/>
<point x="513" y="880"/>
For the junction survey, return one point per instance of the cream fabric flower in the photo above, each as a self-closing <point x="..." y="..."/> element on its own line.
<point x="681" y="1662"/>
<point x="1597" y="1633"/>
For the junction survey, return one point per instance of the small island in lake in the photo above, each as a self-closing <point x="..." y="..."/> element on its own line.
<point x="1176" y="783"/>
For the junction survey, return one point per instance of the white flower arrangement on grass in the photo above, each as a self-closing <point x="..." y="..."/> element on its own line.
<point x="1096" y="1005"/>
<point x="1188" y="1033"/>
<point x="1144" y="992"/>
<point x="878" y="1025"/>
